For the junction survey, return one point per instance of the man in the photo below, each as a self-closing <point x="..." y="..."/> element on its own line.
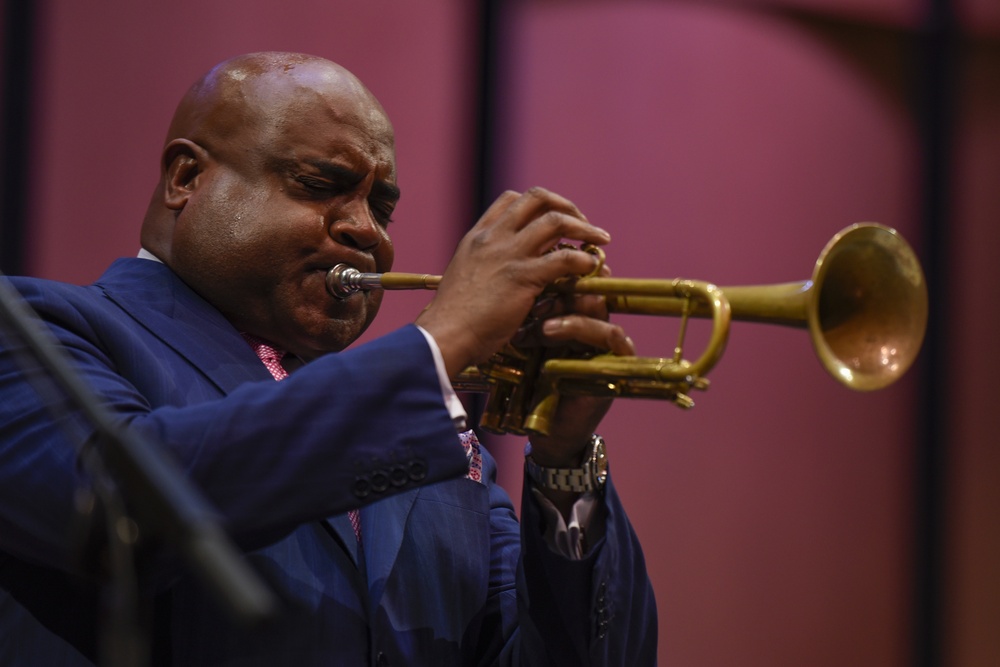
<point x="277" y="167"/>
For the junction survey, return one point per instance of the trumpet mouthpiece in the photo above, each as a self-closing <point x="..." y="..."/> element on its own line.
<point x="342" y="281"/>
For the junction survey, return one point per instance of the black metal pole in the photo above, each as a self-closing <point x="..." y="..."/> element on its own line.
<point x="936" y="83"/>
<point x="484" y="135"/>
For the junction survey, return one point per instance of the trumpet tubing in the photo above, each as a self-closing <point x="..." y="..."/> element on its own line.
<point x="865" y="307"/>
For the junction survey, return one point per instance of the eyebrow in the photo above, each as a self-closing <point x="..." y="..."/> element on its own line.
<point x="381" y="189"/>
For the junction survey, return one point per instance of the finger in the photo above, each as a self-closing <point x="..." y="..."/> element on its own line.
<point x="514" y="210"/>
<point x="549" y="267"/>
<point x="548" y="218"/>
<point x="588" y="331"/>
<point x="498" y="208"/>
<point x="536" y="202"/>
<point x="547" y="230"/>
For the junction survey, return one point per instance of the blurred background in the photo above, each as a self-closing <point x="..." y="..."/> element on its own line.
<point x="786" y="520"/>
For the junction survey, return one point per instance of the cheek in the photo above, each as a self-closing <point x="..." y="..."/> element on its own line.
<point x="374" y="303"/>
<point x="384" y="254"/>
<point x="247" y="219"/>
<point x="227" y="214"/>
<point x="230" y="244"/>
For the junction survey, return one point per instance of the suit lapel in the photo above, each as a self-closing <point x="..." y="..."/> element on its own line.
<point x="153" y="296"/>
<point x="343" y="533"/>
<point x="382" y="527"/>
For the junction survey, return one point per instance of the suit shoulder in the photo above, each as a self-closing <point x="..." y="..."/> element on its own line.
<point x="51" y="296"/>
<point x="81" y="308"/>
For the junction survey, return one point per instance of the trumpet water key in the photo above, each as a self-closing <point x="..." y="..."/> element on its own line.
<point x="865" y="308"/>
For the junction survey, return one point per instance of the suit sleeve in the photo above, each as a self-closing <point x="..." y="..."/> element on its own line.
<point x="596" y="611"/>
<point x="343" y="431"/>
<point x="545" y="609"/>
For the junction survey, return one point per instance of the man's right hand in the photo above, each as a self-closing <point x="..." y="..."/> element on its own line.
<point x="501" y="267"/>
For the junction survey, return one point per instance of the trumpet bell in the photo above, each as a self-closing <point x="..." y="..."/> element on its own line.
<point x="868" y="314"/>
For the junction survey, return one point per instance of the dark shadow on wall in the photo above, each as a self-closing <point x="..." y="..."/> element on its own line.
<point x="17" y="77"/>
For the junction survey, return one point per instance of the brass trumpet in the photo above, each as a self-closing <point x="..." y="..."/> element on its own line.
<point x="865" y="308"/>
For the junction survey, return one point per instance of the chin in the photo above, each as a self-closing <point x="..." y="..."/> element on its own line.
<point x="334" y="337"/>
<point x="324" y="332"/>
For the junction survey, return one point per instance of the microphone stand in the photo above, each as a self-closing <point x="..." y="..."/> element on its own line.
<point x="129" y="470"/>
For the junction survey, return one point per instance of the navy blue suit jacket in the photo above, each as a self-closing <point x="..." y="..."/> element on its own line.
<point x="445" y="575"/>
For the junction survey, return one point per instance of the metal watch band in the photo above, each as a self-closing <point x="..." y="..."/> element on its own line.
<point x="589" y="477"/>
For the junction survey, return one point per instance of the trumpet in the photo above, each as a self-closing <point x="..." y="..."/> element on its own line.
<point x="865" y="308"/>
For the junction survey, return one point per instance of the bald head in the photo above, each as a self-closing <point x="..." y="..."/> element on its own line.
<point x="258" y="90"/>
<point x="276" y="167"/>
<point x="239" y="106"/>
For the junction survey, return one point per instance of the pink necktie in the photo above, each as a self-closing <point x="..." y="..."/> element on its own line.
<point x="472" y="452"/>
<point x="271" y="357"/>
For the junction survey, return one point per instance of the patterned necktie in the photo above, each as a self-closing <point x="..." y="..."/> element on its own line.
<point x="271" y="357"/>
<point x="472" y="452"/>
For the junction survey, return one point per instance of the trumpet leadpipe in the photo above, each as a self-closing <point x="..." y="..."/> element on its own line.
<point x="624" y="295"/>
<point x="343" y="281"/>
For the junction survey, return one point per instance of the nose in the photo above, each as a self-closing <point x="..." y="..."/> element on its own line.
<point x="358" y="230"/>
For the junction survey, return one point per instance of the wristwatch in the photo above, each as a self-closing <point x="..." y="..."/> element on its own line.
<point x="591" y="476"/>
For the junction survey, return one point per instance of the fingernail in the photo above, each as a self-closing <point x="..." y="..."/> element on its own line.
<point x="553" y="325"/>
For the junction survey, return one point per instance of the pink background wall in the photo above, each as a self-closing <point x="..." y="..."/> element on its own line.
<point x="719" y="141"/>
<point x="112" y="78"/>
<point x="729" y="145"/>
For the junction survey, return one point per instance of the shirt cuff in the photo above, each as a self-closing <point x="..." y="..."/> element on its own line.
<point x="585" y="525"/>
<point x="451" y="400"/>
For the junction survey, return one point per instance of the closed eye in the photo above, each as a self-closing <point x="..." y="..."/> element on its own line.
<point x="382" y="211"/>
<point x="383" y="199"/>
<point x="320" y="187"/>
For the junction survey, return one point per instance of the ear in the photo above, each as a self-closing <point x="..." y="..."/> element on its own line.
<point x="183" y="163"/>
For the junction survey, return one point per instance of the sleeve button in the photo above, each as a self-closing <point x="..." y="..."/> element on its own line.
<point x="361" y="487"/>
<point x="417" y="470"/>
